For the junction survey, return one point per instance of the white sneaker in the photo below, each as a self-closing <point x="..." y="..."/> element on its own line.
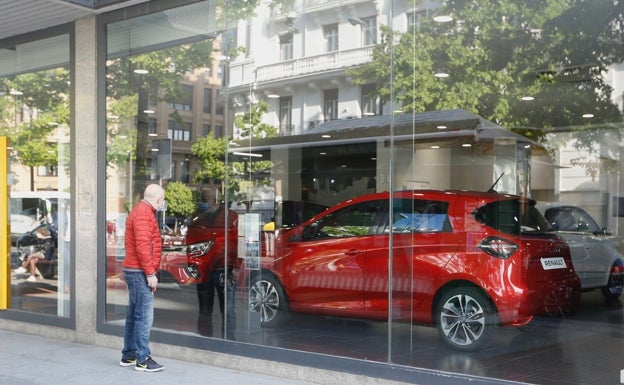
<point x="20" y="270"/>
<point x="32" y="278"/>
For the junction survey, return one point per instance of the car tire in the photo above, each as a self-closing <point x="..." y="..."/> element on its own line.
<point x="266" y="296"/>
<point x="466" y="318"/>
<point x="615" y="285"/>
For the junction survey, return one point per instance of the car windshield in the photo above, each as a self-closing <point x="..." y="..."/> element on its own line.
<point x="512" y="216"/>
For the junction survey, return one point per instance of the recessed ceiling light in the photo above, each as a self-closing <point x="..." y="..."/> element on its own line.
<point x="466" y="145"/>
<point x="527" y="98"/>
<point x="273" y="96"/>
<point x="325" y="136"/>
<point x="149" y="111"/>
<point x="141" y="71"/>
<point x="588" y="115"/>
<point x="435" y="147"/>
<point x="441" y="75"/>
<point x="441" y="127"/>
<point x="443" y="18"/>
<point x="155" y="150"/>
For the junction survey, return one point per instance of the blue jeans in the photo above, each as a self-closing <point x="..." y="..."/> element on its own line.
<point x="139" y="317"/>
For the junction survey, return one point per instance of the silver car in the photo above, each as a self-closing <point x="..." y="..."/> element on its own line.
<point x="595" y="255"/>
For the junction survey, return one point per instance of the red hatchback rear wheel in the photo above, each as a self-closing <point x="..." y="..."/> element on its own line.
<point x="466" y="318"/>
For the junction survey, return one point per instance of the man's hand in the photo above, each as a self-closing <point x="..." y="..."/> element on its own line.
<point x="152" y="282"/>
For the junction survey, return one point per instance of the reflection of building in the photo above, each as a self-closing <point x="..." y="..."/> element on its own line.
<point x="178" y="123"/>
<point x="300" y="70"/>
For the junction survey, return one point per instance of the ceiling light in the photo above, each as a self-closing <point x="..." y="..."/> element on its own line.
<point x="588" y="116"/>
<point x="466" y="145"/>
<point x="441" y="74"/>
<point x="527" y="98"/>
<point x="273" y="96"/>
<point x="325" y="136"/>
<point x="141" y="71"/>
<point x="149" y="111"/>
<point x="248" y="154"/>
<point x="155" y="150"/>
<point x="441" y="127"/>
<point x="152" y="134"/>
<point x="435" y="147"/>
<point x="443" y="18"/>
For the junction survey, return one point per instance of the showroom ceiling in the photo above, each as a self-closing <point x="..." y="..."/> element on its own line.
<point x="18" y="17"/>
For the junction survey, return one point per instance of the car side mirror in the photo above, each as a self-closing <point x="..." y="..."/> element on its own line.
<point x="605" y="231"/>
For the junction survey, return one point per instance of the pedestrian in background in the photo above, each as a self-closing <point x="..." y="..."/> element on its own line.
<point x="143" y="249"/>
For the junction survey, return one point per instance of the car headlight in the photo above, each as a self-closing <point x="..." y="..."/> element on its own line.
<point x="198" y="249"/>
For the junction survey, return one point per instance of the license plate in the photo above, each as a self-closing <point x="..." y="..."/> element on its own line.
<point x="553" y="263"/>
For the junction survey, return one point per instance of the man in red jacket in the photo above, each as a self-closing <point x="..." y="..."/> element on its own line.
<point x="143" y="249"/>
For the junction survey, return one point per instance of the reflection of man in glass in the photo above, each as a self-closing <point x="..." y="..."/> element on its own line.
<point x="223" y="284"/>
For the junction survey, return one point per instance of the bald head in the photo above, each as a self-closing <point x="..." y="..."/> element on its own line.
<point x="154" y="194"/>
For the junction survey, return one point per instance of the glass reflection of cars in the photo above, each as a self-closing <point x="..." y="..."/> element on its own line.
<point x="595" y="255"/>
<point x="466" y="262"/>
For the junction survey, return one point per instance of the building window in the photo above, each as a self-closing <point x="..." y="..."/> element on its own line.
<point x="47" y="171"/>
<point x="218" y="131"/>
<point x="179" y="132"/>
<point x="184" y="102"/>
<point x="415" y="19"/>
<point x="207" y="100"/>
<point x="286" y="46"/>
<point x="184" y="171"/>
<point x="330" y="104"/>
<point x="152" y="127"/>
<point x="205" y="129"/>
<point x="285" y="115"/>
<point x="330" y="33"/>
<point x="219" y="109"/>
<point x="369" y="102"/>
<point x="369" y="31"/>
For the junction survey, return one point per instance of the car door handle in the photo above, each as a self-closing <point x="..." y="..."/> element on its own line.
<point x="354" y="252"/>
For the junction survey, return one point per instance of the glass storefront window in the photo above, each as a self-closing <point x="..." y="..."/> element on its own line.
<point x="426" y="184"/>
<point x="35" y="99"/>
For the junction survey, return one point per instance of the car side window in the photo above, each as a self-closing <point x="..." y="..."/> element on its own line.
<point x="420" y="216"/>
<point x="352" y="221"/>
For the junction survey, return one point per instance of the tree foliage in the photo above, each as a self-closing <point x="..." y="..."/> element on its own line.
<point x="496" y="52"/>
<point x="179" y="199"/>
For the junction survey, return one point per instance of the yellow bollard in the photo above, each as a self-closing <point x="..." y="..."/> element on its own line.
<point x="5" y="227"/>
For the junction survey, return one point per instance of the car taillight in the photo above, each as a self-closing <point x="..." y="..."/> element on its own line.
<point x="498" y="247"/>
<point x="198" y="249"/>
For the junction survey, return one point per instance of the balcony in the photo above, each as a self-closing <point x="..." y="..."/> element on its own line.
<point x="314" y="64"/>
<point x="300" y="67"/>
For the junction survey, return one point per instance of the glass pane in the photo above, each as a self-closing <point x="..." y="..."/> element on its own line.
<point x="35" y="118"/>
<point x="386" y="202"/>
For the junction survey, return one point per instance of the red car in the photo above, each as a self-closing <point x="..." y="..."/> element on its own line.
<point x="208" y="242"/>
<point x="464" y="261"/>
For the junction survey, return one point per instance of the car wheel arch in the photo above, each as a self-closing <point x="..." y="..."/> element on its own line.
<point x="442" y="290"/>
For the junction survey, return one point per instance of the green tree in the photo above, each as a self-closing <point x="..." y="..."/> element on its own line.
<point x="180" y="201"/>
<point x="30" y="117"/>
<point x="497" y="52"/>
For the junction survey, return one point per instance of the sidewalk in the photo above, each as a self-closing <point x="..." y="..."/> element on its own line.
<point x="27" y="359"/>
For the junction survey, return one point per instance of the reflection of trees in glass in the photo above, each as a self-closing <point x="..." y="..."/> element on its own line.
<point x="180" y="202"/>
<point x="210" y="153"/>
<point x="129" y="91"/>
<point x="32" y="108"/>
<point x="499" y="52"/>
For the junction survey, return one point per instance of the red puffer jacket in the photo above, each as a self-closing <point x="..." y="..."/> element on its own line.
<point x="142" y="240"/>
